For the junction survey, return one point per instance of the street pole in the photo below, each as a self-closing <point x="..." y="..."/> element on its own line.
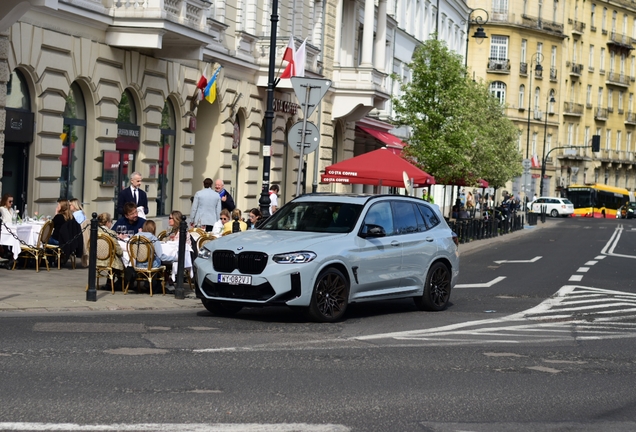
<point x="265" y="201"/>
<point x="545" y="135"/>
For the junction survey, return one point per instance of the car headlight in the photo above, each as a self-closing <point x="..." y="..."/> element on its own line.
<point x="204" y="253"/>
<point x="294" y="257"/>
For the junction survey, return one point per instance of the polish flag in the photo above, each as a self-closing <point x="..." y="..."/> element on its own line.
<point x="300" y="58"/>
<point x="289" y="57"/>
<point x="535" y="161"/>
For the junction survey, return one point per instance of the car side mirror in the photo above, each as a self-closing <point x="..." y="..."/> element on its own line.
<point x="371" y="230"/>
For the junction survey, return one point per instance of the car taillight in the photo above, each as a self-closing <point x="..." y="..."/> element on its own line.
<point x="455" y="239"/>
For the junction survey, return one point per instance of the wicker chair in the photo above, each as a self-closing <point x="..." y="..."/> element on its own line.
<point x="197" y="233"/>
<point x="106" y="255"/>
<point x="162" y="235"/>
<point x="141" y="250"/>
<point x="40" y="251"/>
<point x="204" y="239"/>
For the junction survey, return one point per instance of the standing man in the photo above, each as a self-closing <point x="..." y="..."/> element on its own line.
<point x="226" y="199"/>
<point x="133" y="194"/>
<point x="273" y="198"/>
<point x="206" y="206"/>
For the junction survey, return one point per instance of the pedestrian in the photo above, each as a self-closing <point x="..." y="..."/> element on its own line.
<point x="273" y="199"/>
<point x="226" y="199"/>
<point x="427" y="197"/>
<point x="206" y="206"/>
<point x="133" y="194"/>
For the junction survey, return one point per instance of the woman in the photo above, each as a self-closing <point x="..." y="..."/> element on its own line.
<point x="63" y="215"/>
<point x="105" y="222"/>
<point x="217" y="229"/>
<point x="148" y="231"/>
<point x="77" y="210"/>
<point x="229" y="226"/>
<point x="256" y="218"/>
<point x="5" y="208"/>
<point x="173" y="232"/>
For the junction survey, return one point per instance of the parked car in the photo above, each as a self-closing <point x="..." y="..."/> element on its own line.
<point x="626" y="211"/>
<point x="321" y="252"/>
<point x="554" y="206"/>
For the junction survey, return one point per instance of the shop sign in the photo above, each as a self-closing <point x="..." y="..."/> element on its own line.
<point x="127" y="137"/>
<point x="19" y="126"/>
<point x="285" y="106"/>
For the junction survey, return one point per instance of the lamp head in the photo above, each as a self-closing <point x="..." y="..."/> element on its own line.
<point x="538" y="67"/>
<point x="552" y="99"/>
<point x="480" y="35"/>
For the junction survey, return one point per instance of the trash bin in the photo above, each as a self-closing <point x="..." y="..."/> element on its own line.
<point x="532" y="218"/>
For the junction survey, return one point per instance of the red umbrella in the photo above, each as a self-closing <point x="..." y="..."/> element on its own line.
<point x="378" y="168"/>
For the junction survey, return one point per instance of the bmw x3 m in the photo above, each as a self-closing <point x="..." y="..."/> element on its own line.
<point x="322" y="252"/>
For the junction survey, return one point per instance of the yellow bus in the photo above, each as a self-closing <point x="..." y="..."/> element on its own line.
<point x="597" y="200"/>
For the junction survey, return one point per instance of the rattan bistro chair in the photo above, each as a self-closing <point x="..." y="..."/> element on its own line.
<point x="205" y="239"/>
<point x="105" y="258"/>
<point x="162" y="235"/>
<point x="142" y="251"/>
<point x="40" y="250"/>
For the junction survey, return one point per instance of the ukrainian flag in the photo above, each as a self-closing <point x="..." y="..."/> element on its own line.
<point x="210" y="90"/>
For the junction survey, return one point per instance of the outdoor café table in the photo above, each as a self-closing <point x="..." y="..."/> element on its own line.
<point x="169" y="248"/>
<point x="27" y="232"/>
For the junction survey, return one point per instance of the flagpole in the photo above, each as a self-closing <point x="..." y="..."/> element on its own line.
<point x="264" y="201"/>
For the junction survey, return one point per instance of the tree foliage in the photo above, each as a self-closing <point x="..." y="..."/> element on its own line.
<point x="460" y="131"/>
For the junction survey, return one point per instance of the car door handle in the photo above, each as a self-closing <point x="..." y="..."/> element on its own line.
<point x="430" y="239"/>
<point x="395" y="243"/>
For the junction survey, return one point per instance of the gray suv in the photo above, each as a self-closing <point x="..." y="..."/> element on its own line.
<point x="321" y="252"/>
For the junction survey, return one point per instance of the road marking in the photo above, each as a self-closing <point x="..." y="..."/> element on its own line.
<point x="535" y="259"/>
<point x="583" y="269"/>
<point x="611" y="244"/>
<point x="575" y="278"/>
<point x="590" y="263"/>
<point x="159" y="427"/>
<point x="481" y="285"/>
<point x="600" y="257"/>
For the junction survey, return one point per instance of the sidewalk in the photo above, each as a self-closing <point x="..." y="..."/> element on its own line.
<point x="24" y="290"/>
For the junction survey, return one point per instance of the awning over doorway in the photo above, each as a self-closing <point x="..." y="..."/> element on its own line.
<point x="378" y="168"/>
<point x="392" y="142"/>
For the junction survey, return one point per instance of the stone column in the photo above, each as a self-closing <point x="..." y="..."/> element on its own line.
<point x="4" y="78"/>
<point x="367" y="34"/>
<point x="338" y="34"/>
<point x="380" y="37"/>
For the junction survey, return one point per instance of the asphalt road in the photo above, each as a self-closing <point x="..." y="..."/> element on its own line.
<point x="529" y="344"/>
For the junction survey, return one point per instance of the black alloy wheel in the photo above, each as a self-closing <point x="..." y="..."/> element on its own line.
<point x="222" y="308"/>
<point x="436" y="290"/>
<point x="330" y="297"/>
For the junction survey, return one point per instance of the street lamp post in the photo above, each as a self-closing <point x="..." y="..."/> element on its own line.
<point x="550" y="99"/>
<point x="480" y="34"/>
<point x="264" y="201"/>
<point x="536" y="58"/>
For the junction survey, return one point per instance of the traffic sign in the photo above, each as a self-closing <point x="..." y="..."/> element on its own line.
<point x="317" y="89"/>
<point x="526" y="164"/>
<point x="310" y="141"/>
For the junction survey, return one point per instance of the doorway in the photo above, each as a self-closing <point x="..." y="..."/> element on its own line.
<point x="15" y="172"/>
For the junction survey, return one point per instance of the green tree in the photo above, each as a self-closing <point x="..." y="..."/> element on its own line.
<point x="459" y="129"/>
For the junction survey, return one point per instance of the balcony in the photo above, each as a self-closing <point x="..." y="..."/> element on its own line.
<point x="630" y="118"/>
<point x="576" y="70"/>
<point x="499" y="66"/>
<point x="553" y="74"/>
<point x="358" y="90"/>
<point x="523" y="69"/>
<point x="572" y="109"/>
<point x="617" y="79"/>
<point x="577" y="26"/>
<point x="600" y="114"/>
<point x="177" y="28"/>
<point x="619" y="41"/>
<point x="538" y="23"/>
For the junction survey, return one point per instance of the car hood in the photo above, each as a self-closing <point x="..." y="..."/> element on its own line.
<point x="272" y="241"/>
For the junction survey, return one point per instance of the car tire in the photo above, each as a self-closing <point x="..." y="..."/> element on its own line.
<point x="437" y="289"/>
<point x="330" y="296"/>
<point x="220" y="307"/>
<point x="554" y="213"/>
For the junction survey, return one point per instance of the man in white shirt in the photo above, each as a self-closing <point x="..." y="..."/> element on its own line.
<point x="133" y="194"/>
<point x="273" y="199"/>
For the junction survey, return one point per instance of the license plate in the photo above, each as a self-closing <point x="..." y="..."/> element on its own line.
<point x="235" y="279"/>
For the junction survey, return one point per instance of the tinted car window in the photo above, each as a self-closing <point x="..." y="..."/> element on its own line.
<point x="429" y="215"/>
<point x="314" y="217"/>
<point x="566" y="201"/>
<point x="380" y="214"/>
<point x="404" y="218"/>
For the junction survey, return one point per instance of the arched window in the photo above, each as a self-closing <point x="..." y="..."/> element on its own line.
<point x="165" y="178"/>
<point x="73" y="145"/>
<point x="127" y="141"/>
<point x="522" y="93"/>
<point x="498" y="90"/>
<point x="537" y="92"/>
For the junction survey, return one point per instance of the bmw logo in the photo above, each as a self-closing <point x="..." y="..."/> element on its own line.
<point x="239" y="248"/>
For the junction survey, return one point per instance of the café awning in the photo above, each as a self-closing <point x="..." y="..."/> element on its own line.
<point x="378" y="168"/>
<point x="392" y="142"/>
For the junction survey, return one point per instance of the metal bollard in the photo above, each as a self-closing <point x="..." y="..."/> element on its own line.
<point x="183" y="232"/>
<point x="91" y="294"/>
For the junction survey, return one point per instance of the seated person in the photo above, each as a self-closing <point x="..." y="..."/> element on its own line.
<point x="217" y="228"/>
<point x="63" y="214"/>
<point x="148" y="231"/>
<point x="76" y="209"/>
<point x="6" y="212"/>
<point x="228" y="228"/>
<point x="256" y="218"/>
<point x="105" y="222"/>
<point x="463" y="214"/>
<point x="173" y="231"/>
<point x="131" y="220"/>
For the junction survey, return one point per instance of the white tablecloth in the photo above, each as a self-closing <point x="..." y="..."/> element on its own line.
<point x="169" y="248"/>
<point x="27" y="232"/>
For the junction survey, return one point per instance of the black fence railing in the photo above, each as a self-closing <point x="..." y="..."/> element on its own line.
<point x="478" y="229"/>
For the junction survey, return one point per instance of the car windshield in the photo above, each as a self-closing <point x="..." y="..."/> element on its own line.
<point x="312" y="216"/>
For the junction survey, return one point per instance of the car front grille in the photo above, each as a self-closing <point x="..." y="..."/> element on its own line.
<point x="226" y="261"/>
<point x="262" y="292"/>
